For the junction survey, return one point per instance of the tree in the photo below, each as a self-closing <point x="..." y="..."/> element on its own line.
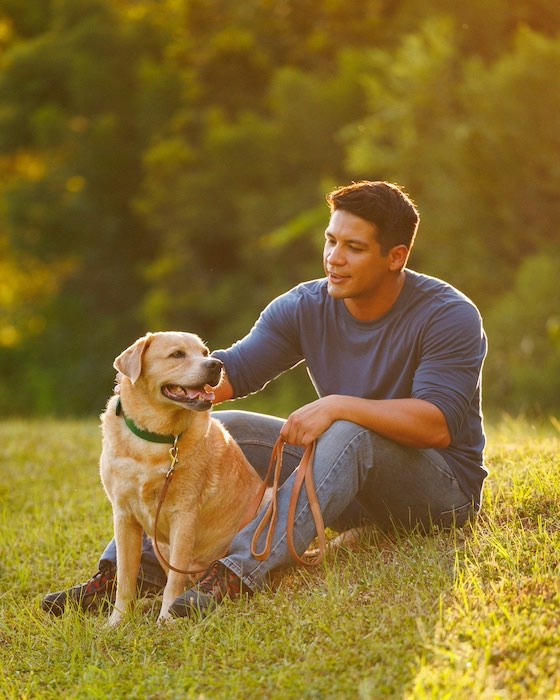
<point x="163" y="163"/>
<point x="72" y="165"/>
<point x="523" y="373"/>
<point x="475" y="143"/>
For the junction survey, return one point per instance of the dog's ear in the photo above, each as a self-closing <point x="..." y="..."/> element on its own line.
<point x="129" y="362"/>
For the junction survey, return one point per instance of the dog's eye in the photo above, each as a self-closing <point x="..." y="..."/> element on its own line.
<point x="206" y="352"/>
<point x="178" y="354"/>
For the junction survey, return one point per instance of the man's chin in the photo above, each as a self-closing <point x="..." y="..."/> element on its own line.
<point x="335" y="291"/>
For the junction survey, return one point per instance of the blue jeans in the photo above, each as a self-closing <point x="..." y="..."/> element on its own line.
<point x="359" y="477"/>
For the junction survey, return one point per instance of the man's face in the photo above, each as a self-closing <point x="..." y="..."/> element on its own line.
<point x="355" y="268"/>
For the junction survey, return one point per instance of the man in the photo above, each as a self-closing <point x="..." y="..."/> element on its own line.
<point x="396" y="360"/>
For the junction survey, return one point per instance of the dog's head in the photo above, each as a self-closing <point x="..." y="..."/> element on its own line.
<point x="172" y="367"/>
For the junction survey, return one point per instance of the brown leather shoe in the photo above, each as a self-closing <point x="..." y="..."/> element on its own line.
<point x="218" y="583"/>
<point x="97" y="593"/>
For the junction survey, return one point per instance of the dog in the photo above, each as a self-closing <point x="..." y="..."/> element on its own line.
<point x="164" y="389"/>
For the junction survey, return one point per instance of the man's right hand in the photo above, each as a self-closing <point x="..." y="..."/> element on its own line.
<point x="307" y="423"/>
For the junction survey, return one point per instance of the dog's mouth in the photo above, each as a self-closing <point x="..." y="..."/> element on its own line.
<point x="199" y="398"/>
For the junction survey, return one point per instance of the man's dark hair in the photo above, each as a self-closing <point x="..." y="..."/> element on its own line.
<point x="383" y="204"/>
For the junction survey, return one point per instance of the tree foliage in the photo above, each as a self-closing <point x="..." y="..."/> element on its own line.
<point x="163" y="164"/>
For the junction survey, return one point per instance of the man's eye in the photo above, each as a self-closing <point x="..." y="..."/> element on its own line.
<point x="178" y="354"/>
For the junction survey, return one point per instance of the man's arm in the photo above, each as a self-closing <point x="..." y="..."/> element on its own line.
<point x="411" y="422"/>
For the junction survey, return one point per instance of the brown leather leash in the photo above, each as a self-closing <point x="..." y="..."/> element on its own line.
<point x="174" y="454"/>
<point x="304" y="475"/>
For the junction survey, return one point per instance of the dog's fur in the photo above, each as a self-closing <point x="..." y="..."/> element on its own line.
<point x="165" y="385"/>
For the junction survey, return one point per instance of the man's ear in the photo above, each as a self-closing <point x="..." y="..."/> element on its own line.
<point x="129" y="362"/>
<point x="398" y="255"/>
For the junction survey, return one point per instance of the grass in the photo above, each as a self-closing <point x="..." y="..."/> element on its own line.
<point x="465" y="615"/>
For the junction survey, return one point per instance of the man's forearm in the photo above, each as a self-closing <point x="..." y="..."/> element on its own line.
<point x="411" y="422"/>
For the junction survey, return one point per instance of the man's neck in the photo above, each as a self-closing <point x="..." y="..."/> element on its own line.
<point x="372" y="308"/>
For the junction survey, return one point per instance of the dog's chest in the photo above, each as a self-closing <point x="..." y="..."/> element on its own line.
<point x="150" y="495"/>
<point x="136" y="487"/>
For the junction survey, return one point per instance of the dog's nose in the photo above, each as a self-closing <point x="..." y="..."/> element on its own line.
<point x="213" y="364"/>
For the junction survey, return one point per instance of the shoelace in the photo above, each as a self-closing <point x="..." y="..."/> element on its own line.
<point x="220" y="583"/>
<point x="100" y="580"/>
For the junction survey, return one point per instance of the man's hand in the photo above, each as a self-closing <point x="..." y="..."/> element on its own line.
<point x="307" y="423"/>
<point x="224" y="390"/>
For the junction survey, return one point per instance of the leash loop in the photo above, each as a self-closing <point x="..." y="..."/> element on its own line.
<point x="270" y="515"/>
<point x="304" y="475"/>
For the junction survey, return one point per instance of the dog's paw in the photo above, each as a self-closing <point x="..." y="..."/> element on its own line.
<point x="164" y="619"/>
<point x="115" y="618"/>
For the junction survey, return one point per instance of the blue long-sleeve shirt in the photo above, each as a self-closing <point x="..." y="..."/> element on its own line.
<point x="430" y="345"/>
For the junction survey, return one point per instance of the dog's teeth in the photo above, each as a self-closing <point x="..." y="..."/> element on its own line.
<point x="182" y="393"/>
<point x="200" y="394"/>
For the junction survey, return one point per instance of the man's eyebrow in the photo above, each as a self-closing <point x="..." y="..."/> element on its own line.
<point x="349" y="241"/>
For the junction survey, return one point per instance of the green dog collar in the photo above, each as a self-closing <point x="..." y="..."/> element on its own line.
<point x="144" y="434"/>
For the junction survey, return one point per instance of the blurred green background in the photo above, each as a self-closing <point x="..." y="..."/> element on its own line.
<point x="163" y="165"/>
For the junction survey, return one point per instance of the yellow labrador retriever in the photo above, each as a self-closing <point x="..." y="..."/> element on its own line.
<point x="165" y="391"/>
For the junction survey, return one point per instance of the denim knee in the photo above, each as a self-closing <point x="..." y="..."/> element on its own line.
<point x="352" y="445"/>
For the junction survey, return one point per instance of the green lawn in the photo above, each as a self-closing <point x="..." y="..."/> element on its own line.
<point x="466" y="615"/>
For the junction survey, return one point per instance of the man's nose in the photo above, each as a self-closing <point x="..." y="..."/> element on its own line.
<point x="334" y="256"/>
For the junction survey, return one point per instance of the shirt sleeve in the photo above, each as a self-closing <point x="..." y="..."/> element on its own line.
<point x="270" y="348"/>
<point x="453" y="349"/>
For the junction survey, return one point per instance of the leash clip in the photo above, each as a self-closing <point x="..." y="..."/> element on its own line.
<point x="174" y="456"/>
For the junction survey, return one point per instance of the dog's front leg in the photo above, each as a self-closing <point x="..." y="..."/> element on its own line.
<point x="128" y="536"/>
<point x="181" y="547"/>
